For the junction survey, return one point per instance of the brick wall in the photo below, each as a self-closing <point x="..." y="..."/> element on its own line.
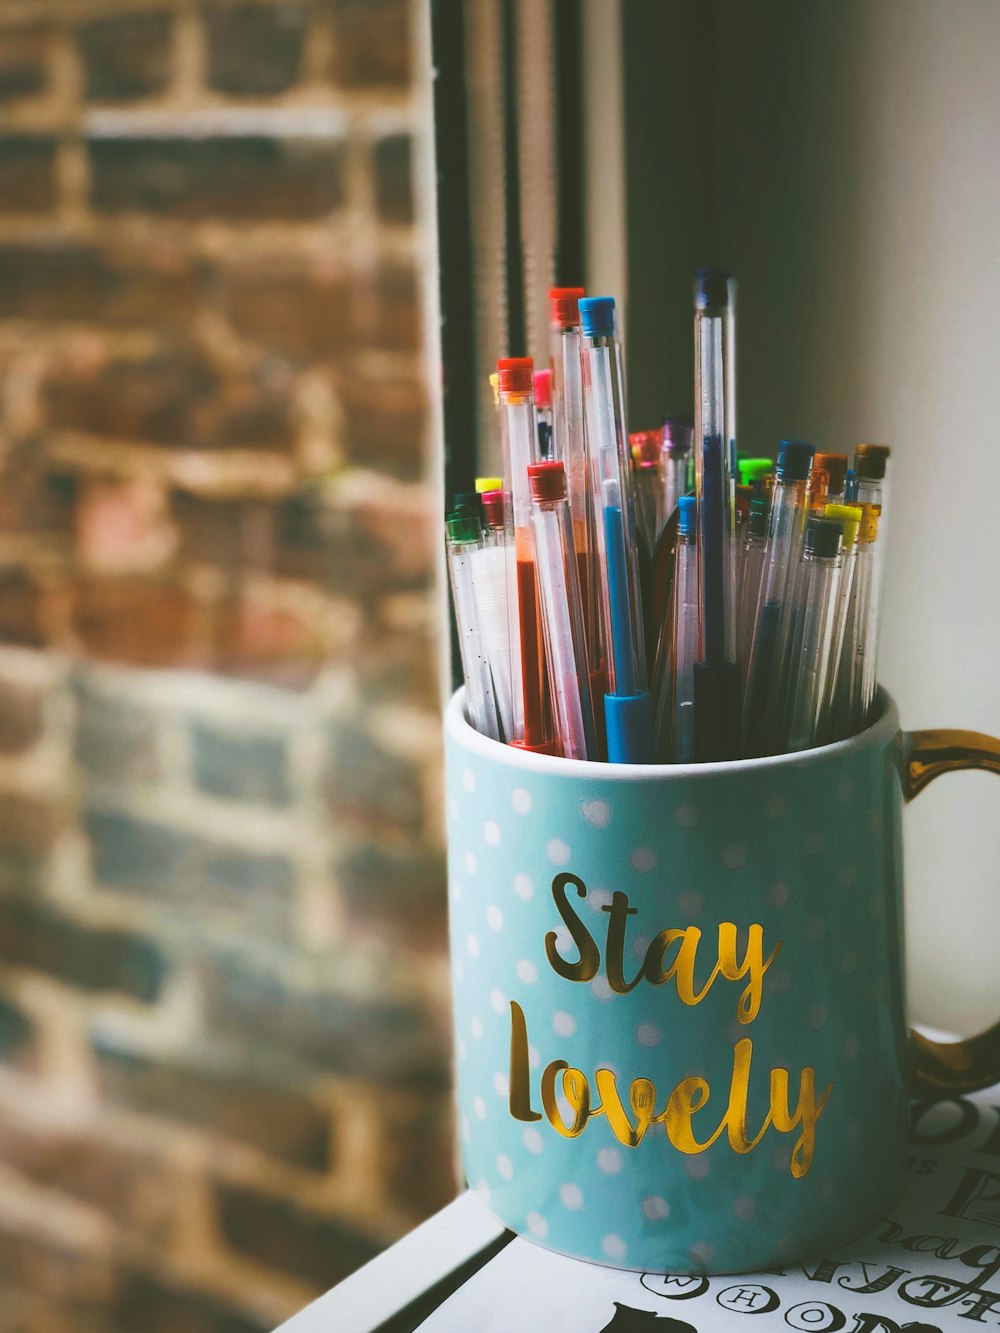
<point x="224" y="1079"/>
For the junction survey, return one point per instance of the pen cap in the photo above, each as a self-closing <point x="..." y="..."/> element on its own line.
<point x="464" y="528"/>
<point x="760" y="508"/>
<point x="870" y="461"/>
<point x="678" y="432"/>
<point x="836" y="465"/>
<point x="597" y="316"/>
<point x="794" y="460"/>
<point x="754" y="469"/>
<point x="823" y="537"/>
<point x="543" y="388"/>
<point x="849" y="518"/>
<point x="564" y="307"/>
<point x="495" y="386"/>
<point x="868" y="529"/>
<point x="687" y="515"/>
<point x="468" y="502"/>
<point x="494" y="508"/>
<point x="515" y="376"/>
<point x="547" y="481"/>
<point x="484" y="484"/>
<point x="712" y="287"/>
<point x="646" y="446"/>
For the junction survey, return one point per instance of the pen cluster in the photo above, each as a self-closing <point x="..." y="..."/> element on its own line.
<point x="657" y="596"/>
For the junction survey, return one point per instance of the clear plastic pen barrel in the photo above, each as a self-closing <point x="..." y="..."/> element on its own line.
<point x="627" y="704"/>
<point x="464" y="540"/>
<point x="676" y="435"/>
<point x="749" y="574"/>
<point x="562" y="611"/>
<point x="532" y="728"/>
<point x="821" y="571"/>
<point x="685" y="632"/>
<point x="849" y="517"/>
<point x="765" y="670"/>
<point x="646" y="447"/>
<point x="848" y="708"/>
<point x="871" y="471"/>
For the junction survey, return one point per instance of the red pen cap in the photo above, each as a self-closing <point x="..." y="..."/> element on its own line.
<point x="515" y="374"/>
<point x="547" y="480"/>
<point x="646" y="447"/>
<point x="543" y="388"/>
<point x="564" y="305"/>
<point x="493" y="509"/>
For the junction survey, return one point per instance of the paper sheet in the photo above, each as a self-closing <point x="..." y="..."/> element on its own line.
<point x="932" y="1264"/>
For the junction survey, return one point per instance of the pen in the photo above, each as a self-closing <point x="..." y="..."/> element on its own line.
<point x="849" y="517"/>
<point x="464" y="537"/>
<point x="821" y="570"/>
<point x="784" y="536"/>
<point x="562" y="610"/>
<point x="871" y="470"/>
<point x="531" y="721"/>
<point x="627" y="711"/>
<point x="647" y="448"/>
<point x="754" y="471"/>
<point x="484" y="484"/>
<point x="570" y="444"/>
<point x="817" y="488"/>
<point x="848" y="707"/>
<point x="685" y="631"/>
<point x="675" y="468"/>
<point x="836" y="467"/>
<point x="543" y="412"/>
<point x="750" y="571"/>
<point x="716" y="676"/>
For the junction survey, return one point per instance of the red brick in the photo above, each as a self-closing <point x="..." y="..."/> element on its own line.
<point x="27" y="823"/>
<point x="177" y="397"/>
<point x="125" y="56"/>
<point x="246" y="178"/>
<point x="27" y="173"/>
<point x="143" y="622"/>
<point x="56" y="1270"/>
<point x="371" y="43"/>
<point x="228" y="533"/>
<point x="36" y="937"/>
<point x="306" y="315"/>
<point x="20" y="716"/>
<point x="52" y="279"/>
<point x="139" y="1190"/>
<point x="401" y="667"/>
<point x="388" y="308"/>
<point x="23" y="70"/>
<point x="290" y="1237"/>
<point x="255" y="48"/>
<point x="282" y="1122"/>
<point x="393" y="183"/>
<point x="22" y="609"/>
<point x="255" y="637"/>
<point x="385" y="420"/>
<point x="35" y="496"/>
<point x="17" y="1032"/>
<point x="417" y="1152"/>
<point x="144" y="1303"/>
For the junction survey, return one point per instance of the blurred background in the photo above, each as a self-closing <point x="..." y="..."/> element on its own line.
<point x="224" y="1029"/>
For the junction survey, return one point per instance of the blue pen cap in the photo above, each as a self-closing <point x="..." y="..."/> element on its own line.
<point x="794" y="460"/>
<point x="712" y="287"/>
<point x="597" y="316"/>
<point x="687" y="515"/>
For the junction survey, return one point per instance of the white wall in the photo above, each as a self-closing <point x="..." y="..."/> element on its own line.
<point x="857" y="196"/>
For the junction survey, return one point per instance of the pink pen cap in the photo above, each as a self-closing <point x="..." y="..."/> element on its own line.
<point x="494" y="506"/>
<point x="543" y="388"/>
<point x="646" y="446"/>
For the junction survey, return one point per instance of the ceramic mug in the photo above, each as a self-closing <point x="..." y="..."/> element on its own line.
<point x="679" y="998"/>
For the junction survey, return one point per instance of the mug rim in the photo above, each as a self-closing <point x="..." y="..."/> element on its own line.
<point x="465" y="735"/>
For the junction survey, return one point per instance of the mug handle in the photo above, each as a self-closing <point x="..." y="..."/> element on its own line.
<point x="948" y="1069"/>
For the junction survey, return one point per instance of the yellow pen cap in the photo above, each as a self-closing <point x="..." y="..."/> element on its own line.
<point x="850" y="517"/>
<point x="868" y="530"/>
<point x="495" y="386"/>
<point x="489" y="484"/>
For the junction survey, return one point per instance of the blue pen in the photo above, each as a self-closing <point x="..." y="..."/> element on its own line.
<point x="627" y="706"/>
<point x="716" y="675"/>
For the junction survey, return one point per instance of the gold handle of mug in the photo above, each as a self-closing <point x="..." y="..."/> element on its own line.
<point x="945" y="1069"/>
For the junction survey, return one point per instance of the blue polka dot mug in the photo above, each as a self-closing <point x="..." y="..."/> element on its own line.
<point x="678" y="991"/>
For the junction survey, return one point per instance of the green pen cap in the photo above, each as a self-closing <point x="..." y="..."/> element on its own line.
<point x="754" y="469"/>
<point x="464" y="527"/>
